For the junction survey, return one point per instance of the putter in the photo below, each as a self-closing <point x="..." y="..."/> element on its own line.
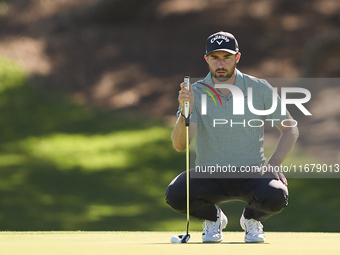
<point x="185" y="238"/>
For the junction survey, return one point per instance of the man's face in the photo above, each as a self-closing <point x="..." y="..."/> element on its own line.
<point x="222" y="64"/>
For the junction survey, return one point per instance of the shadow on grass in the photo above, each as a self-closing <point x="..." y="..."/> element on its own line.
<point x="38" y="194"/>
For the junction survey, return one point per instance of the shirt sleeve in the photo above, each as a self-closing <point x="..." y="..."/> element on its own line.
<point x="194" y="113"/>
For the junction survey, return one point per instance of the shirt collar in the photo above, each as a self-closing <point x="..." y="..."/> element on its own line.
<point x="238" y="81"/>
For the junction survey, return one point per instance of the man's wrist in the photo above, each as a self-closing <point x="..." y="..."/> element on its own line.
<point x="184" y="115"/>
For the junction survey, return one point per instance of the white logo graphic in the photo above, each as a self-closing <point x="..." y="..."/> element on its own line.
<point x="238" y="103"/>
<point x="219" y="37"/>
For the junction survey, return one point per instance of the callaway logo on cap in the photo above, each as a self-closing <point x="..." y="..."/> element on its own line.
<point x="222" y="41"/>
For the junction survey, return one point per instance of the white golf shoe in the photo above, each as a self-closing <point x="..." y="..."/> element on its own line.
<point x="253" y="230"/>
<point x="212" y="230"/>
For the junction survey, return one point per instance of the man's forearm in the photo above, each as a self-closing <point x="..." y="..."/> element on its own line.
<point x="179" y="134"/>
<point x="285" y="144"/>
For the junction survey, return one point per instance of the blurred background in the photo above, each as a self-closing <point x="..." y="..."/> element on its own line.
<point x="88" y="96"/>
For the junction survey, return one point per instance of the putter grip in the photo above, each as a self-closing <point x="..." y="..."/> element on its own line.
<point x="186" y="103"/>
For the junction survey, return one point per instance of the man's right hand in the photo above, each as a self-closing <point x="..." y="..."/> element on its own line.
<point x="186" y="95"/>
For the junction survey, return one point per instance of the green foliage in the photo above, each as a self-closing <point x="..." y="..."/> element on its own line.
<point x="11" y="75"/>
<point x="2" y="4"/>
<point x="66" y="166"/>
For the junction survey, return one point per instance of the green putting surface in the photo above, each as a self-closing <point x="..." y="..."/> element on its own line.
<point x="117" y="243"/>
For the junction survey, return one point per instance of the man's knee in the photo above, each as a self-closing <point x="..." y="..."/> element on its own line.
<point x="176" y="197"/>
<point x="277" y="200"/>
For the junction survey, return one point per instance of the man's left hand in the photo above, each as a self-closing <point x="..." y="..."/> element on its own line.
<point x="275" y="170"/>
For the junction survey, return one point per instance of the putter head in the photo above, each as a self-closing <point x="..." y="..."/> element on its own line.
<point x="184" y="238"/>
